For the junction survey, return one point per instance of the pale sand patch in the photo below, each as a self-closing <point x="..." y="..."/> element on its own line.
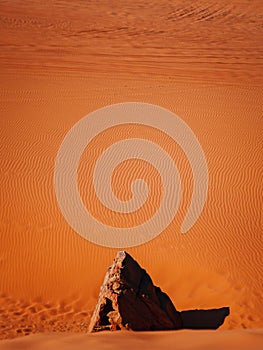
<point x="180" y="340"/>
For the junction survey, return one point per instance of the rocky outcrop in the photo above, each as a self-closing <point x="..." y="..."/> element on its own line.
<point x="129" y="299"/>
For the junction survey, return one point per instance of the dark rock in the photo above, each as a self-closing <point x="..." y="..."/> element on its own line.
<point x="128" y="299"/>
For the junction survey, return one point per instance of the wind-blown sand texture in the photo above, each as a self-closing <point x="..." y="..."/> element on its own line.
<point x="185" y="340"/>
<point x="61" y="60"/>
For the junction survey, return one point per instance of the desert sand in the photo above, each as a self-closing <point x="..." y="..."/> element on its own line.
<point x="61" y="60"/>
<point x="236" y="339"/>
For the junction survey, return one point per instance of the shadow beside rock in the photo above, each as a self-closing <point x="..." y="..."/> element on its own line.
<point x="204" y="319"/>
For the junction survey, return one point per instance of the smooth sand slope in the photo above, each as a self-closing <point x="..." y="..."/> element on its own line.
<point x="61" y="60"/>
<point x="185" y="340"/>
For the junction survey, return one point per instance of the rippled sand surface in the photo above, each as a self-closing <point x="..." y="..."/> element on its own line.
<point x="61" y="60"/>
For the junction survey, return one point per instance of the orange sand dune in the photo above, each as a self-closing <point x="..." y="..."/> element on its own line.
<point x="61" y="60"/>
<point x="186" y="340"/>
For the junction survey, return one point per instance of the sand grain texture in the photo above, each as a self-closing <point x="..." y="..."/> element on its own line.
<point x="185" y="340"/>
<point x="61" y="60"/>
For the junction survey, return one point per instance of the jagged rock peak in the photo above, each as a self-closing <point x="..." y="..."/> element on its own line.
<point x="128" y="299"/>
